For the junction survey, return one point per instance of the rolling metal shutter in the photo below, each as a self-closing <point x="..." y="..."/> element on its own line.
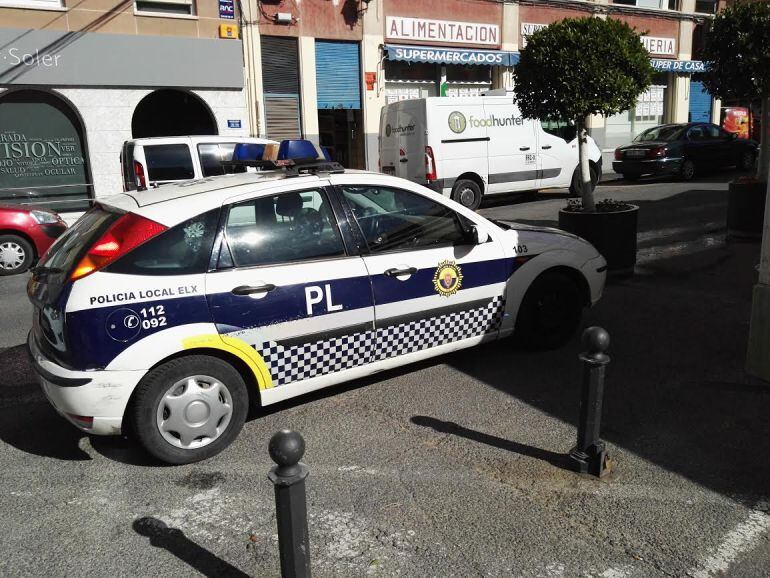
<point x="280" y="82"/>
<point x="700" y="103"/>
<point x="338" y="74"/>
<point x="282" y="116"/>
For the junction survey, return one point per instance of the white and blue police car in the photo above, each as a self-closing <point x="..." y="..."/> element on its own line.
<point x="166" y="312"/>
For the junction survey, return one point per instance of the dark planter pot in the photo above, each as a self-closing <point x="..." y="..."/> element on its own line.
<point x="745" y="210"/>
<point x="612" y="233"/>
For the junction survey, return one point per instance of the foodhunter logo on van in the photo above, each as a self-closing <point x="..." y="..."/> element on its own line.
<point x="458" y="122"/>
<point x="405" y="130"/>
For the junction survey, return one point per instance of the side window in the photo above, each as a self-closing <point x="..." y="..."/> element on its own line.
<point x="169" y="162"/>
<point x="294" y="226"/>
<point x="182" y="250"/>
<point x="696" y="133"/>
<point x="561" y="128"/>
<point x="712" y="131"/>
<point x="212" y="155"/>
<point x="397" y="220"/>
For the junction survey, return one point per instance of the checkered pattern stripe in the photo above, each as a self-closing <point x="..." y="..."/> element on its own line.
<point x="295" y="363"/>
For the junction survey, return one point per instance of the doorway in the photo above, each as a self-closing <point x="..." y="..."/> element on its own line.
<point x="172" y="113"/>
<point x="340" y="133"/>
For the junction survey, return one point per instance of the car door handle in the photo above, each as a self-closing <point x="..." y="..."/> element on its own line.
<point x="523" y="148"/>
<point x="403" y="160"/>
<point x="397" y="272"/>
<point x="545" y="147"/>
<point x="252" y="289"/>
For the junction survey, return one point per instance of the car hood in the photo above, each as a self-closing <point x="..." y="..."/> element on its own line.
<point x="533" y="228"/>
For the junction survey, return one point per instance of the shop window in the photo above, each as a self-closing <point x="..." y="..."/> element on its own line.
<point x="467" y="73"/>
<point x="166" y="7"/>
<point x="171" y="112"/>
<point x="658" y="4"/>
<point x="43" y="156"/>
<point x="406" y="71"/>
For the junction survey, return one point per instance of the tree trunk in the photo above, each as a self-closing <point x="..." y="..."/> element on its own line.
<point x="764" y="142"/>
<point x="586" y="187"/>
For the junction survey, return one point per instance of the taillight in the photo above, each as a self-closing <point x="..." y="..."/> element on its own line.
<point x="124" y="235"/>
<point x="141" y="181"/>
<point x="430" y="165"/>
<point x="657" y="153"/>
<point x="618" y="155"/>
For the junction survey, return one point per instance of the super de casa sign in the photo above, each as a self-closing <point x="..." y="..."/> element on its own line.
<point x="422" y="29"/>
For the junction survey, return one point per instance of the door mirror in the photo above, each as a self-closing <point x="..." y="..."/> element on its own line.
<point x="732" y="136"/>
<point x="474" y="235"/>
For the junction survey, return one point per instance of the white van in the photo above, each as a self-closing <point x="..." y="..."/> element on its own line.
<point x="150" y="162"/>
<point x="467" y="147"/>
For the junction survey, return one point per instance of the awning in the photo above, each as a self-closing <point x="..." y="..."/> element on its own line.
<point x="451" y="55"/>
<point x="684" y="66"/>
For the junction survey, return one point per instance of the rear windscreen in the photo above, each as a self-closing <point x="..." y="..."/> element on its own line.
<point x="170" y="162"/>
<point x="64" y="253"/>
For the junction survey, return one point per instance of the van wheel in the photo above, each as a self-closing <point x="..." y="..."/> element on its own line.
<point x="467" y="193"/>
<point x="576" y="185"/>
<point x="189" y="409"/>
<point x="550" y="312"/>
<point x="16" y="254"/>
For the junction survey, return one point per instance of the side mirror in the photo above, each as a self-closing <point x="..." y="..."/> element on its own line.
<point x="475" y="235"/>
<point x="733" y="136"/>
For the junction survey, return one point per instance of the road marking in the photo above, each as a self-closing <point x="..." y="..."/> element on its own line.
<point x="743" y="538"/>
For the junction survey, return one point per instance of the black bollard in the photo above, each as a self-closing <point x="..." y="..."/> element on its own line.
<point x="286" y="448"/>
<point x="589" y="456"/>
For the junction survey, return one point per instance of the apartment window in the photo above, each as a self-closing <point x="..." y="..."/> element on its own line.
<point x="657" y="4"/>
<point x="706" y="6"/>
<point x="32" y="3"/>
<point x="170" y="7"/>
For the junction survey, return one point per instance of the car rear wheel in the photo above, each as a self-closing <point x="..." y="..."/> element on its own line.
<point x="467" y="193"/>
<point x="189" y="409"/>
<point x="746" y="162"/>
<point x="550" y="312"/>
<point x="16" y="254"/>
<point x="687" y="172"/>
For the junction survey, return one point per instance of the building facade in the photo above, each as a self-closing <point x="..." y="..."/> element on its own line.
<point x="413" y="49"/>
<point x="79" y="78"/>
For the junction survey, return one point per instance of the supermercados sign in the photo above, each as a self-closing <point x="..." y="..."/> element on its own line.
<point x="399" y="28"/>
<point x="451" y="55"/>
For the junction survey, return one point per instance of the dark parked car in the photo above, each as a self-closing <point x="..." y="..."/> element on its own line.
<point x="25" y="234"/>
<point x="682" y="150"/>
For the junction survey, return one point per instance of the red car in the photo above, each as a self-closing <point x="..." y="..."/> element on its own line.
<point x="25" y="234"/>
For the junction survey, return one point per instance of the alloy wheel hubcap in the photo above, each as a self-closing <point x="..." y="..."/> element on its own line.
<point x="194" y="412"/>
<point x="688" y="170"/>
<point x="12" y="255"/>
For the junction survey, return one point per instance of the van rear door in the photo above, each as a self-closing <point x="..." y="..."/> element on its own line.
<point x="167" y="162"/>
<point x="387" y="140"/>
<point x="410" y="137"/>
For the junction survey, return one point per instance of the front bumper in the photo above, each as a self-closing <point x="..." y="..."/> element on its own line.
<point x="595" y="272"/>
<point x="101" y="395"/>
<point x="664" y="166"/>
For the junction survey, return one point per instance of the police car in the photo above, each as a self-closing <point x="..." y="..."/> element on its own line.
<point x="166" y="313"/>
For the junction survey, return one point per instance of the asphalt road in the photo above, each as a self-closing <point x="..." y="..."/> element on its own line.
<point x="453" y="467"/>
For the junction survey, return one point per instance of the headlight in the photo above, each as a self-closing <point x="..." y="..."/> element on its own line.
<point x="44" y="217"/>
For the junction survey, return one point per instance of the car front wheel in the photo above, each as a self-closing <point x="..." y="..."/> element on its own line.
<point x="189" y="409"/>
<point x="550" y="312"/>
<point x="16" y="254"/>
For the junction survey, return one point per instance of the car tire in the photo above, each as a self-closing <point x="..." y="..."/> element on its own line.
<point x="687" y="170"/>
<point x="177" y="421"/>
<point x="576" y="184"/>
<point x="16" y="254"/>
<point x="467" y="193"/>
<point x="550" y="312"/>
<point x="746" y="160"/>
<point x="631" y="176"/>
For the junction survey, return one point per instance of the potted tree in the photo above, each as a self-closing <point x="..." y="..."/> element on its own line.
<point x="570" y="70"/>
<point x="737" y="55"/>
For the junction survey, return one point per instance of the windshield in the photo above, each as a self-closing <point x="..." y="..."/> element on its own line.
<point x="666" y="133"/>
